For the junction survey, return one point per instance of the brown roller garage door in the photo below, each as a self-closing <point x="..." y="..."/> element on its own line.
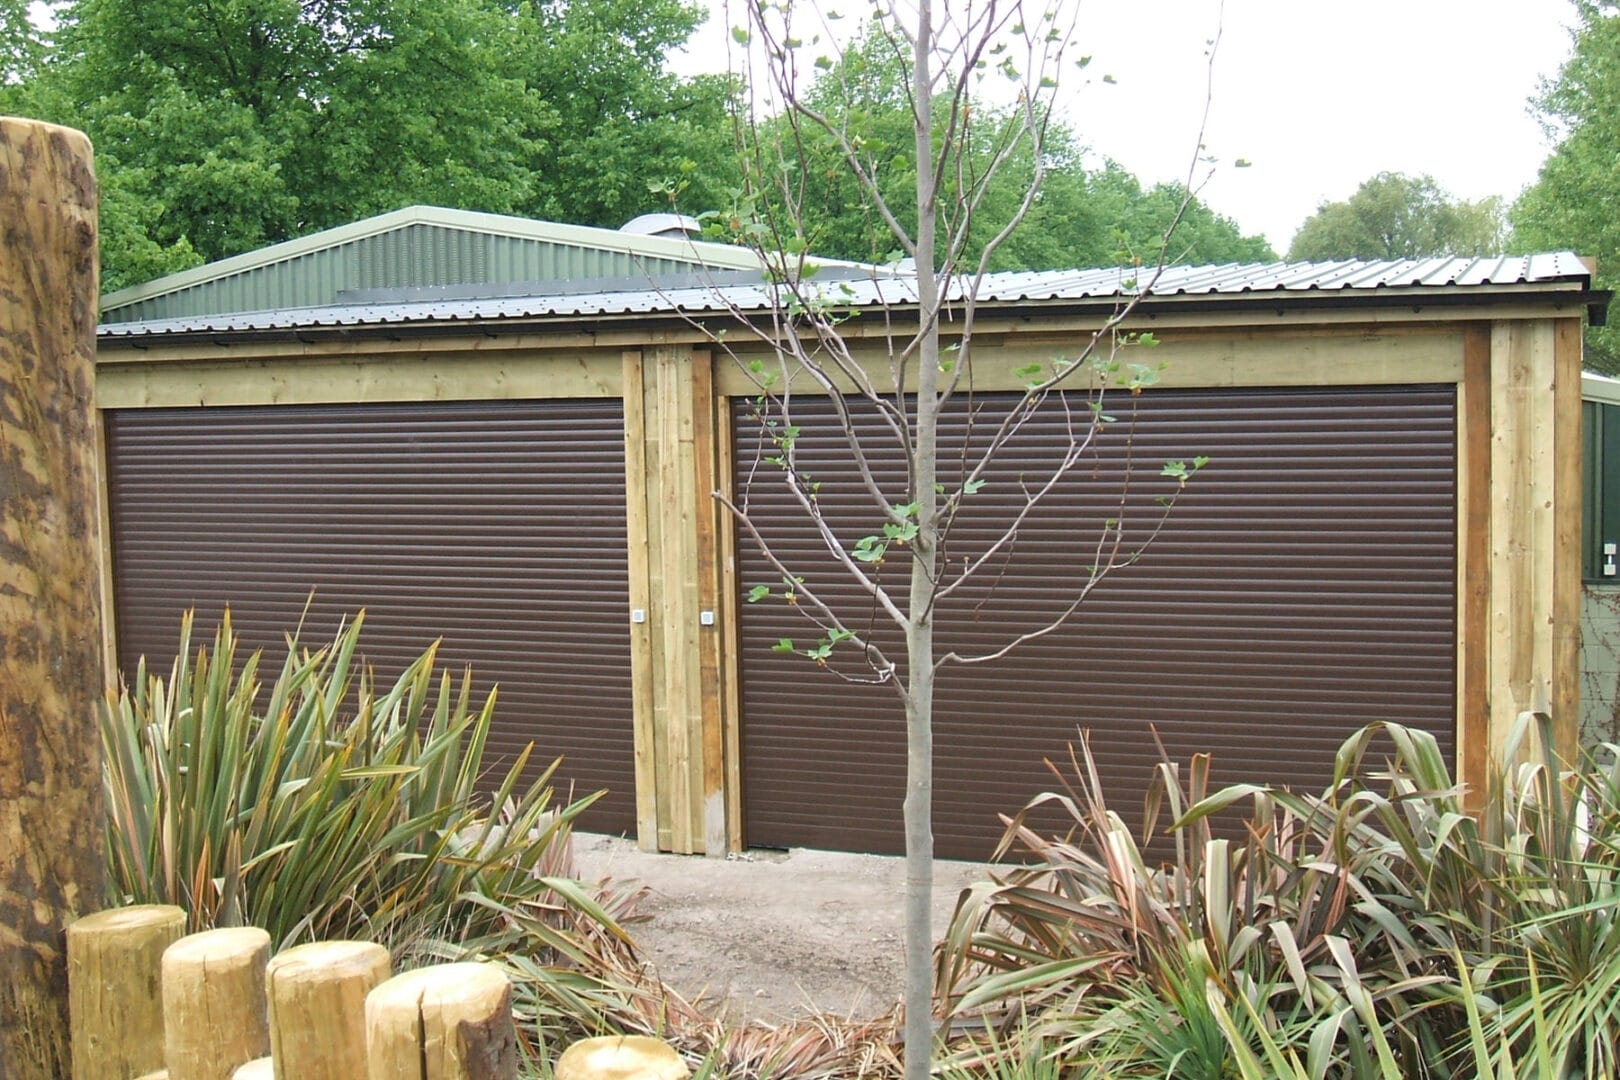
<point x="1303" y="586"/>
<point x="498" y="526"/>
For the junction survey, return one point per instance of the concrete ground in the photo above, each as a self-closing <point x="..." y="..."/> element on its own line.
<point x="775" y="934"/>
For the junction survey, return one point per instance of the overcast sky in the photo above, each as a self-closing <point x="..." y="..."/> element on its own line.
<point x="1317" y="94"/>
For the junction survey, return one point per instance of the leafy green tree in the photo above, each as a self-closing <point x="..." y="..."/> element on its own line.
<point x="615" y="120"/>
<point x="1575" y="201"/>
<point x="1395" y="216"/>
<point x="225" y="125"/>
<point x="20" y="45"/>
<point x="1080" y="217"/>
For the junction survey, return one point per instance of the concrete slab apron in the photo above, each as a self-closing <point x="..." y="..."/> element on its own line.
<point x="774" y="934"/>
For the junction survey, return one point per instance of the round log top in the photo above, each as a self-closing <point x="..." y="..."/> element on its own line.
<point x="620" y="1057"/>
<point x="73" y="135"/>
<point x="134" y="917"/>
<point x="258" y="1069"/>
<point x="238" y="943"/>
<point x="440" y="986"/>
<point x="328" y="960"/>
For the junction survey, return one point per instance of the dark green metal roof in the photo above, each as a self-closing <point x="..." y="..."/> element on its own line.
<point x="415" y="247"/>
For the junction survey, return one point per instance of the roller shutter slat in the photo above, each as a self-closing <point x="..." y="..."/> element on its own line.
<point x="1303" y="586"/>
<point x="498" y="526"/>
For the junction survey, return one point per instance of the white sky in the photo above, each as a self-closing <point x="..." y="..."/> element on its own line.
<point x="1317" y="94"/>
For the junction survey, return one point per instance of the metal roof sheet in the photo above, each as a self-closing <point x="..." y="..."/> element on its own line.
<point x="1257" y="280"/>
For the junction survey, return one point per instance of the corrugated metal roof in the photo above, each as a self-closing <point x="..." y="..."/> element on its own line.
<point x="640" y="297"/>
<point x="416" y="246"/>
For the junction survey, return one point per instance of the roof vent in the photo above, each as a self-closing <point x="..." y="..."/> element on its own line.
<point x="669" y="226"/>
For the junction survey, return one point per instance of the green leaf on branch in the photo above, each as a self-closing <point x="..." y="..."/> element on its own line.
<point x="900" y="533"/>
<point x="758" y="593"/>
<point x="1180" y="471"/>
<point x="870" y="549"/>
<point x="783" y="645"/>
<point x="972" y="487"/>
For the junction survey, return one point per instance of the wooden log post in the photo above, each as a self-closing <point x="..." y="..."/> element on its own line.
<point x="115" y="968"/>
<point x="215" y="1018"/>
<point x="450" y="1022"/>
<point x="51" y="678"/>
<point x="318" y="1008"/>
<point x="620" y="1057"/>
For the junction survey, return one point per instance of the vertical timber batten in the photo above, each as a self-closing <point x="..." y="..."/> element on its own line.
<point x="730" y="655"/>
<point x="1473" y="562"/>
<point x="1567" y="489"/>
<point x="679" y="608"/>
<point x="641" y="629"/>
<point x="705" y="480"/>
<point x="1530" y="436"/>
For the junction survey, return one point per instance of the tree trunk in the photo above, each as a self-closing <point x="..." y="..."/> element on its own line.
<point x="918" y="809"/>
<point x="50" y="564"/>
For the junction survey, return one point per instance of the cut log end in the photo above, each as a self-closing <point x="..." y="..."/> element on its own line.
<point x="620" y="1057"/>
<point x="128" y="920"/>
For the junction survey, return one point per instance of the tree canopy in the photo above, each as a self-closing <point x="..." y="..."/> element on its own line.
<point x="1081" y="216"/>
<point x="1575" y="201"/>
<point x="1395" y="216"/>
<point x="222" y="126"/>
<point x="225" y="125"/>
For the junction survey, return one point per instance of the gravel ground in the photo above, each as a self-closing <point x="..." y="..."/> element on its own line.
<point x="775" y="934"/>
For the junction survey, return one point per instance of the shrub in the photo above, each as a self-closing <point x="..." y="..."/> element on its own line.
<point x="330" y="808"/>
<point x="1378" y="928"/>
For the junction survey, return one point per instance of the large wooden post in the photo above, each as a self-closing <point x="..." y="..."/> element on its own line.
<point x="50" y="564"/>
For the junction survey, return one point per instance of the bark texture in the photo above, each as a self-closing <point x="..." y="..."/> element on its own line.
<point x="50" y="616"/>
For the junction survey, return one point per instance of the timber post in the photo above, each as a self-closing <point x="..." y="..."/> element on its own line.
<point x="51" y="678"/>
<point x="318" y="1007"/>
<point x="115" y="965"/>
<point x="208" y="976"/>
<point x="451" y="1022"/>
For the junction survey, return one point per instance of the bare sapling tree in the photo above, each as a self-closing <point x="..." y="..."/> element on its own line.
<point x="891" y="353"/>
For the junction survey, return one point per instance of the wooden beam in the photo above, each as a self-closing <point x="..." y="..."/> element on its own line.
<point x="357" y="379"/>
<point x="641" y="622"/>
<point x="681" y="773"/>
<point x="706" y="480"/>
<point x="1194" y="359"/>
<point x="657" y="573"/>
<point x="1567" y="496"/>
<point x="731" y="655"/>
<point x="1522" y="556"/>
<point x="1473" y="564"/>
<point x="51" y="678"/>
<point x="106" y="598"/>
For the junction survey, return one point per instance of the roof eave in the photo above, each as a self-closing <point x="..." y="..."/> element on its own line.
<point x="1556" y="295"/>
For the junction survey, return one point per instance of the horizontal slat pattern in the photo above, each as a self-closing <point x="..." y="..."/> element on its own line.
<point x="1302" y="586"/>
<point x="498" y="526"/>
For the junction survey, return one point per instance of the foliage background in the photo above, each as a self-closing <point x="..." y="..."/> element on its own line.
<point x="223" y="126"/>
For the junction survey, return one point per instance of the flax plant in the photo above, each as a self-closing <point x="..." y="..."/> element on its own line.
<point x="1378" y="928"/>
<point x="327" y="805"/>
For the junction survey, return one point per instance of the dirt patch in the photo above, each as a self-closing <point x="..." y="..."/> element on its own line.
<point x="774" y="934"/>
